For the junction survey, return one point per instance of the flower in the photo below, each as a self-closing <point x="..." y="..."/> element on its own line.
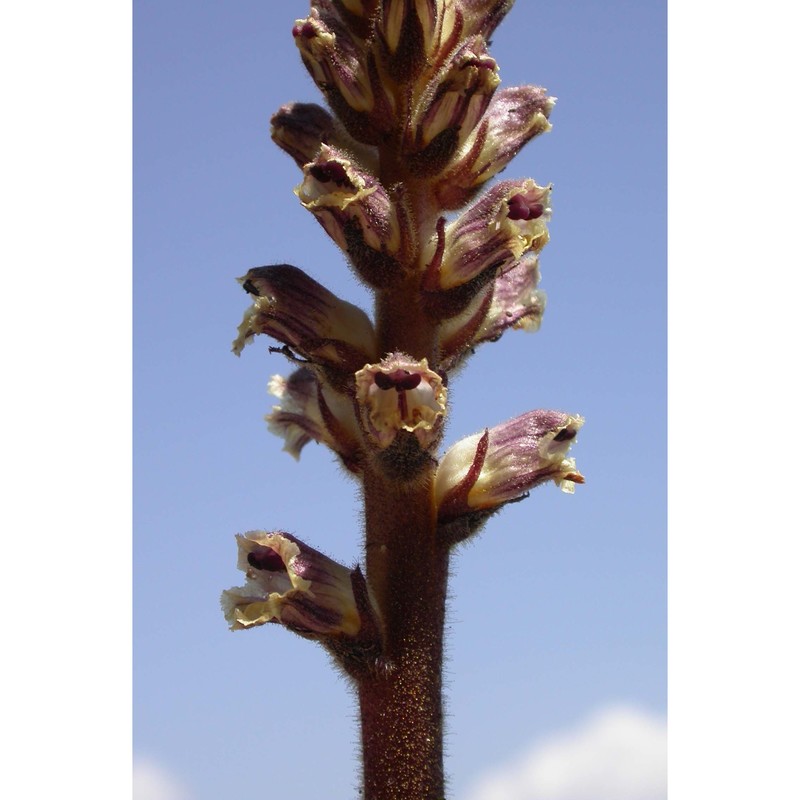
<point x="417" y="34"/>
<point x="354" y="208"/>
<point x="507" y="222"/>
<point x="401" y="394"/>
<point x="300" y="129"/>
<point x="451" y="106"/>
<point x="290" y="583"/>
<point x="487" y="470"/>
<point x="342" y="64"/>
<point x="333" y="57"/>
<point x="515" y="116"/>
<point x="310" y="410"/>
<point x="293" y="308"/>
<point x="512" y="300"/>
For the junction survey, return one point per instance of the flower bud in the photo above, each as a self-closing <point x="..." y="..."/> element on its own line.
<point x="296" y="310"/>
<point x="401" y="394"/>
<point x="511" y="301"/>
<point x="290" y="583"/>
<point x="514" y="116"/>
<point x="354" y="208"/>
<point x="487" y="470"/>
<point x="310" y="410"/>
<point x="452" y="106"/>
<point x="507" y="222"/>
<point x="300" y="129"/>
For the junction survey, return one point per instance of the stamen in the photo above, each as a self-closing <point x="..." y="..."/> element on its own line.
<point x="401" y="379"/>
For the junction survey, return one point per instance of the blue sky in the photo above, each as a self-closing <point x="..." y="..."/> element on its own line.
<point x="559" y="608"/>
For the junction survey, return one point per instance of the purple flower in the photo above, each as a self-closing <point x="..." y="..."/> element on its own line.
<point x="310" y="410"/>
<point x="512" y="300"/>
<point x="507" y="222"/>
<point x="346" y="198"/>
<point x="290" y="583"/>
<point x="333" y="57"/>
<point x="296" y="310"/>
<point x="514" y="116"/>
<point x="483" y="16"/>
<point x="489" y="469"/>
<point x="454" y="102"/>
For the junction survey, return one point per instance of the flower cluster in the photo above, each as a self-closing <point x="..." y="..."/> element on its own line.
<point x="419" y="125"/>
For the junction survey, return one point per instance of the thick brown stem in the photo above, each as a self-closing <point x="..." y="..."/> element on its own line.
<point x="401" y="701"/>
<point x="401" y="705"/>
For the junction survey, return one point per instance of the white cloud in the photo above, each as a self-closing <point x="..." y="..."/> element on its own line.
<point x="619" y="753"/>
<point x="153" y="782"/>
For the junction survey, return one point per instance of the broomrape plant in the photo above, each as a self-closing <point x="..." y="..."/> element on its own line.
<point x="419" y="125"/>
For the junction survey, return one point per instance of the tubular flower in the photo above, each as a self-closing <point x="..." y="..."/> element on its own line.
<point x="333" y="57"/>
<point x="514" y="116"/>
<point x="296" y="310"/>
<point x="349" y="203"/>
<point x="511" y="301"/>
<point x="401" y="394"/>
<point x="453" y="105"/>
<point x="290" y="583"/>
<point x="310" y="410"/>
<point x="489" y="469"/>
<point x="507" y="222"/>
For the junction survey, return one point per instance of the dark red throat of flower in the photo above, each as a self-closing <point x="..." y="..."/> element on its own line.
<point x="330" y="172"/>
<point x="565" y="435"/>
<point x="519" y="208"/>
<point x="267" y="559"/>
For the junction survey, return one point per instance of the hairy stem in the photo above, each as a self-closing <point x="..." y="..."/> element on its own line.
<point x="401" y="705"/>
